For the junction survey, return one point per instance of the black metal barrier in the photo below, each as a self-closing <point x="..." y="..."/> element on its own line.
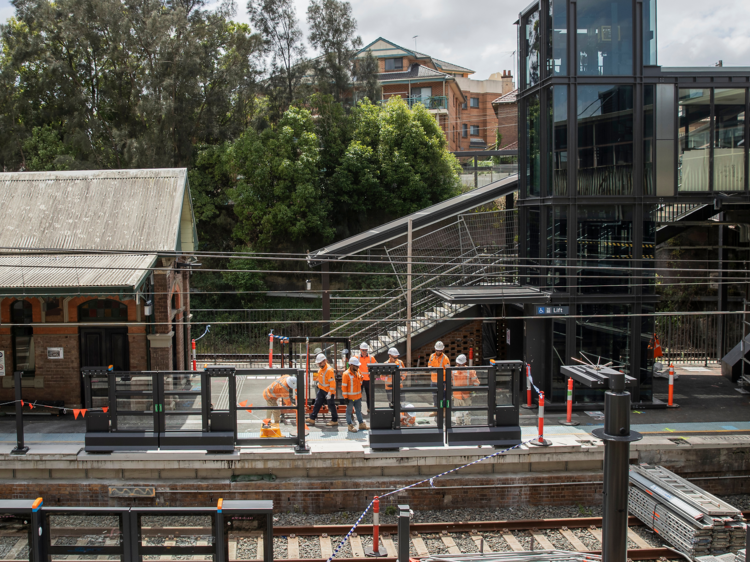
<point x="187" y="410"/>
<point x="426" y="407"/>
<point x="132" y="534"/>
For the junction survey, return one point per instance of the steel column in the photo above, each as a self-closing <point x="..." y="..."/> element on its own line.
<point x="21" y="448"/>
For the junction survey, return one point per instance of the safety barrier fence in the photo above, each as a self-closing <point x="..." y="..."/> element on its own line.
<point x="422" y="407"/>
<point x="693" y="339"/>
<point x="130" y="534"/>
<point x="216" y="409"/>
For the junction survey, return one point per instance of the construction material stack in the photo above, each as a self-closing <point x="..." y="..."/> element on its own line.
<point x="689" y="518"/>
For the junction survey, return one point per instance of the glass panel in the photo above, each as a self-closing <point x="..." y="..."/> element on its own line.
<point x="649" y="249"/>
<point x="605" y="37"/>
<point x="558" y="134"/>
<point x="647" y="354"/>
<point x="533" y="40"/>
<point x="557" y="59"/>
<point x="99" y="392"/>
<point x="135" y="423"/>
<point x="648" y="140"/>
<point x="559" y="381"/>
<point x="533" y="247"/>
<point x="729" y="140"/>
<point x="182" y="403"/>
<point x="533" y="148"/>
<point x="134" y="383"/>
<point x="14" y="536"/>
<point x="178" y="422"/>
<point x="182" y="382"/>
<point x="603" y="333"/>
<point x="605" y="246"/>
<point x="465" y="394"/>
<point x="605" y="140"/>
<point x="649" y="33"/>
<point x="105" y="310"/>
<point x="179" y="530"/>
<point x="219" y="393"/>
<point x="79" y="529"/>
<point x="694" y="115"/>
<point x="253" y="408"/>
<point x="503" y="389"/>
<point x="131" y="404"/>
<point x="557" y="247"/>
<point x="419" y="392"/>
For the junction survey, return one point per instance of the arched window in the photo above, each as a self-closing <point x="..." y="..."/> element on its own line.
<point x="23" y="337"/>
<point x="20" y="312"/>
<point x="103" y="310"/>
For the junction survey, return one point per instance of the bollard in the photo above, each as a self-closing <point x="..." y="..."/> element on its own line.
<point x="21" y="448"/>
<point x="375" y="549"/>
<point x="541" y="442"/>
<point x="195" y="363"/>
<point x="569" y="417"/>
<point x="670" y="400"/>
<point x="471" y="356"/>
<point x="404" y="539"/>
<point x="270" y="350"/>
<point x="529" y="402"/>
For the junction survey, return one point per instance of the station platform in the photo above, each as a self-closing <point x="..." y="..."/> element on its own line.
<point x="706" y="439"/>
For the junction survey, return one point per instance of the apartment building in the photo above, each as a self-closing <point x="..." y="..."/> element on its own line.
<point x="461" y="105"/>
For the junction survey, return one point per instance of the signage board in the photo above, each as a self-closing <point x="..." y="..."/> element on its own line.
<point x="552" y="310"/>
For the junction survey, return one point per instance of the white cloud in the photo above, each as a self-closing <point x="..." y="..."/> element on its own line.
<point x="480" y="34"/>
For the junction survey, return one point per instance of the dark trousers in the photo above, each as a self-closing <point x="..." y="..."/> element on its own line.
<point x="366" y="393"/>
<point x="320" y="399"/>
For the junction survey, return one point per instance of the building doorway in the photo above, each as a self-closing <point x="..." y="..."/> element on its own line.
<point x="104" y="347"/>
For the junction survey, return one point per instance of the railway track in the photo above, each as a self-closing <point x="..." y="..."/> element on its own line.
<point x="315" y="543"/>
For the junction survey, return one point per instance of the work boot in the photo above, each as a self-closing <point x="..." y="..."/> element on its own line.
<point x="363" y="425"/>
<point x="352" y="428"/>
<point x="332" y="423"/>
<point x="310" y="421"/>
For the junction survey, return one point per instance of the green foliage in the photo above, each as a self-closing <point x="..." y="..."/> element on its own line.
<point x="45" y="151"/>
<point x="277" y="199"/>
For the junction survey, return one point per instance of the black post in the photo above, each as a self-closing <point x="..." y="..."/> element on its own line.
<point x="20" y="449"/>
<point x="301" y="402"/>
<point x="617" y="436"/>
<point x="325" y="285"/>
<point x="404" y="518"/>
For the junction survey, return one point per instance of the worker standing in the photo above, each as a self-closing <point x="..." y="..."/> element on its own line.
<point x="283" y="388"/>
<point x="438" y="360"/>
<point x="364" y="361"/>
<point x="325" y="379"/>
<point x="393" y="358"/>
<point x="461" y="380"/>
<point x="351" y="390"/>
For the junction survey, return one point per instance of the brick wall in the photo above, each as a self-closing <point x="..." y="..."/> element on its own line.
<point x="457" y="342"/>
<point x="61" y="376"/>
<point x="137" y="348"/>
<point x="507" y="120"/>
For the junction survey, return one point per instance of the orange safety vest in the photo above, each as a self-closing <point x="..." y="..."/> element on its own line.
<point x="656" y="347"/>
<point x="388" y="381"/>
<point x="443" y="362"/>
<point x="278" y="389"/>
<point x="326" y="379"/>
<point x="464" y="378"/>
<point x="351" y="385"/>
<point x="363" y="362"/>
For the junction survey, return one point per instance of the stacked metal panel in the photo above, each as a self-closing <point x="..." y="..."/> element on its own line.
<point x="690" y="519"/>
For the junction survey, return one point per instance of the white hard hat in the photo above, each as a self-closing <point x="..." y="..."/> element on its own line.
<point x="439" y="346"/>
<point x="354" y="361"/>
<point x="317" y="350"/>
<point x="364" y="346"/>
<point x="320" y="358"/>
<point x="461" y="359"/>
<point x="393" y="352"/>
<point x="292" y="382"/>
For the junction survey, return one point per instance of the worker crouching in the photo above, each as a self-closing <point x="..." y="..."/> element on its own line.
<point x="351" y="389"/>
<point x="325" y="378"/>
<point x="460" y="381"/>
<point x="281" y="389"/>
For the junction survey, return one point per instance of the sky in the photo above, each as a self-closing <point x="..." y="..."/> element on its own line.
<point x="479" y="34"/>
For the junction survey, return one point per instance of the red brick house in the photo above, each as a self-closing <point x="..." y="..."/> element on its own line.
<point x="95" y="271"/>
<point x="462" y="106"/>
<point x="506" y="111"/>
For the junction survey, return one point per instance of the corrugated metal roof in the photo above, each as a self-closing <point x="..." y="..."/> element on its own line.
<point x="415" y="71"/>
<point x="510" y="97"/>
<point x="65" y="271"/>
<point x="103" y="210"/>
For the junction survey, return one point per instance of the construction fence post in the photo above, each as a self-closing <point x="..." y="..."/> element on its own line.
<point x="404" y="520"/>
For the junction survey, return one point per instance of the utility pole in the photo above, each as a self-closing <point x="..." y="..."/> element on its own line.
<point x="408" y="293"/>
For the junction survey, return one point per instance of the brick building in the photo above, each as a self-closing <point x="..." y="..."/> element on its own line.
<point x="462" y="106"/>
<point x="506" y="112"/>
<point x="95" y="271"/>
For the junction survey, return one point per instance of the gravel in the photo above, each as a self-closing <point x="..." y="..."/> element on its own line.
<point x="309" y="547"/>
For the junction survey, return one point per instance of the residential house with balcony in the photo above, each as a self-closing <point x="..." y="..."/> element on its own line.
<point x="462" y="106"/>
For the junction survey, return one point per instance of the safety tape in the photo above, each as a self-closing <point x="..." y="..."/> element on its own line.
<point x="531" y="380"/>
<point x="208" y="327"/>
<point x="432" y="485"/>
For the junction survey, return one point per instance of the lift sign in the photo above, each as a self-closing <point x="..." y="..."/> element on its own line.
<point x="552" y="310"/>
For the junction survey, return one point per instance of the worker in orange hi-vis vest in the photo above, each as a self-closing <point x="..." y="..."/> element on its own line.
<point x="656" y="346"/>
<point x="351" y="390"/>
<point x="440" y="361"/>
<point x="393" y="358"/>
<point x="364" y="360"/>
<point x="283" y="388"/>
<point x="325" y="378"/>
<point x="461" y="380"/>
